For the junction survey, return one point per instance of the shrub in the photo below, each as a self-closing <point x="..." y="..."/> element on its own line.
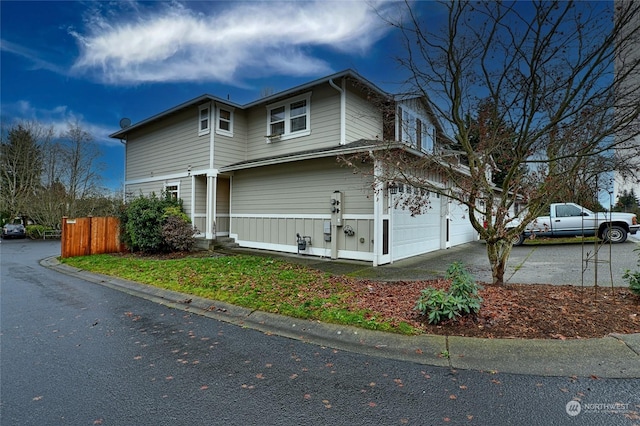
<point x="177" y="212"/>
<point x="36" y="231"/>
<point x="143" y="220"/>
<point x="177" y="234"/>
<point x="633" y="278"/>
<point x="462" y="297"/>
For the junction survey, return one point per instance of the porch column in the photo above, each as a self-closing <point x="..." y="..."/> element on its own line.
<point x="212" y="182"/>
<point x="378" y="210"/>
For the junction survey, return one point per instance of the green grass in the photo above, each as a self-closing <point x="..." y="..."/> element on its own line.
<point x="250" y="281"/>
<point x="539" y="241"/>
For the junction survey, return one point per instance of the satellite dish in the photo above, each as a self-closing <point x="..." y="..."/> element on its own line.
<point x="125" y="122"/>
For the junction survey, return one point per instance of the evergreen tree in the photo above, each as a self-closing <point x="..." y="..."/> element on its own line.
<point x="20" y="169"/>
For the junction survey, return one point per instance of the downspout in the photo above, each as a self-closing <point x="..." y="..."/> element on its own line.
<point x="210" y="208"/>
<point x="343" y="110"/>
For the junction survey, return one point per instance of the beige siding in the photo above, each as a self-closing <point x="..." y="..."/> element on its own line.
<point x="302" y="187"/>
<point x="271" y="205"/>
<point x="168" y="146"/>
<point x="324" y="125"/>
<point x="146" y="189"/>
<point x="363" y="119"/>
<point x="222" y="195"/>
<point x="222" y="205"/>
<point x="201" y="194"/>
<point x="230" y="150"/>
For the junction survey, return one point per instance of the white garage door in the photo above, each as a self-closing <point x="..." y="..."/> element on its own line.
<point x="416" y="235"/>
<point x="460" y="229"/>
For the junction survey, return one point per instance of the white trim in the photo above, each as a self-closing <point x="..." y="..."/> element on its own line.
<point x="288" y="134"/>
<point x="356" y="255"/>
<point x="299" y="216"/>
<point x="207" y="172"/>
<point x="201" y="108"/>
<point x="231" y="111"/>
<point x="209" y="207"/>
<point x="310" y="251"/>
<point x="212" y="150"/>
<point x="409" y="128"/>
<point x="193" y="199"/>
<point x="378" y="216"/>
<point x="174" y="183"/>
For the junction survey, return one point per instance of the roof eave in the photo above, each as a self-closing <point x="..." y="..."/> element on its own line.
<point x="121" y="134"/>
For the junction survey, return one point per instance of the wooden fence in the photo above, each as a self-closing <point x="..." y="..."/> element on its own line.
<point x="90" y="235"/>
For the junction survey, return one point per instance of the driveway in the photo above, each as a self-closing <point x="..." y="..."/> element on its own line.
<point x="574" y="264"/>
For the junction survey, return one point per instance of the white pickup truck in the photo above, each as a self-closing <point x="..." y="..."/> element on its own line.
<point x="569" y="220"/>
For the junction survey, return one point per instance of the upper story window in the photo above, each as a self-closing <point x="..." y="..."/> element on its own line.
<point x="291" y="118"/>
<point x="204" y="120"/>
<point x="415" y="130"/>
<point x="224" y="123"/>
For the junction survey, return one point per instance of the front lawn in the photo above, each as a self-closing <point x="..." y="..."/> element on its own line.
<point x="253" y="282"/>
<point x="261" y="283"/>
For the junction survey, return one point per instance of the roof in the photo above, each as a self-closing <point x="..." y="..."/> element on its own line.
<point x="350" y="148"/>
<point x="121" y="134"/>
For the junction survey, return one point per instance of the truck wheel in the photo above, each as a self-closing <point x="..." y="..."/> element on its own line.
<point x="518" y="240"/>
<point x="615" y="234"/>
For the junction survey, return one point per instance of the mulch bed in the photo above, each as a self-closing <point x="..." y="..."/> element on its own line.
<point x="532" y="311"/>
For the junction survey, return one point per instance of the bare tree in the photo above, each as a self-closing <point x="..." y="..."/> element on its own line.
<point x="545" y="71"/>
<point x="70" y="178"/>
<point x="80" y="172"/>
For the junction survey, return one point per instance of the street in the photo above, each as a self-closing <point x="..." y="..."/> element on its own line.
<point x="78" y="353"/>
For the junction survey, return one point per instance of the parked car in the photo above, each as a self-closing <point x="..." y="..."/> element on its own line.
<point x="12" y="230"/>
<point x="569" y="220"/>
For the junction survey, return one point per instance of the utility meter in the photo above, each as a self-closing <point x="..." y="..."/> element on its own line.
<point x="336" y="207"/>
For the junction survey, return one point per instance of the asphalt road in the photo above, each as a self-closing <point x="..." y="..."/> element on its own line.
<point x="78" y="353"/>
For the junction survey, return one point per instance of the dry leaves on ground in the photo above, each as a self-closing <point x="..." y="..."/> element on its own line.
<point x="532" y="311"/>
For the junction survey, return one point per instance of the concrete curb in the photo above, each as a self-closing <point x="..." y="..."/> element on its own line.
<point x="614" y="356"/>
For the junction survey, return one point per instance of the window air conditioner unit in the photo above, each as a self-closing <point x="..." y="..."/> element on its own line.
<point x="272" y="138"/>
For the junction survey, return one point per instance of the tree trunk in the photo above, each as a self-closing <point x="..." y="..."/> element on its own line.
<point x="498" y="253"/>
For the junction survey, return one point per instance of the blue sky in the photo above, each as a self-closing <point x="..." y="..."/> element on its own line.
<point x="97" y="62"/>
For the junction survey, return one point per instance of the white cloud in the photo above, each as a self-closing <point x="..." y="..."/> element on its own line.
<point x="176" y="43"/>
<point x="58" y="118"/>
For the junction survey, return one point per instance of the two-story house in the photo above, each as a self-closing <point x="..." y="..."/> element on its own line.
<point x="266" y="173"/>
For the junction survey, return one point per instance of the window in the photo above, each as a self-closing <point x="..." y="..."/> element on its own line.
<point x="203" y="120"/>
<point x="290" y="118"/>
<point x="415" y="130"/>
<point x="277" y="121"/>
<point x="224" y="123"/>
<point x="568" y="211"/>
<point x="298" y="116"/>
<point x="171" y="190"/>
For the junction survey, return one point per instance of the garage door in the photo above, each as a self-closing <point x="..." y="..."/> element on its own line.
<point x="418" y="234"/>
<point x="460" y="229"/>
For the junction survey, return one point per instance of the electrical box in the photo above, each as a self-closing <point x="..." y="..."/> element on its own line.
<point x="336" y="207"/>
<point x="326" y="230"/>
